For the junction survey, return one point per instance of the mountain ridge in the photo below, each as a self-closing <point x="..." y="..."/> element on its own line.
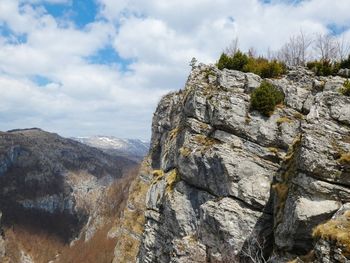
<point x="58" y="190"/>
<point x="134" y="149"/>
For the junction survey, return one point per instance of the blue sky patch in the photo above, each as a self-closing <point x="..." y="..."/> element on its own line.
<point x="81" y="12"/>
<point x="109" y="56"/>
<point x="11" y="37"/>
<point x="337" y="30"/>
<point x="40" y="80"/>
<point x="292" y="2"/>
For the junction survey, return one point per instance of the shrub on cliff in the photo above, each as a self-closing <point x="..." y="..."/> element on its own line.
<point x="235" y="62"/>
<point x="265" y="98"/>
<point x="265" y="68"/>
<point x="328" y="68"/>
<point x="345" y="63"/>
<point x="324" y="67"/>
<point x="345" y="90"/>
<point x="260" y="66"/>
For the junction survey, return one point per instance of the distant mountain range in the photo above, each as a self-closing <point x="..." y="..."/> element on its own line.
<point x="133" y="149"/>
<point x="43" y="175"/>
<point x="58" y="192"/>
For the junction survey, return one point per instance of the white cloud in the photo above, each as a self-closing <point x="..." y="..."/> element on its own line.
<point x="159" y="37"/>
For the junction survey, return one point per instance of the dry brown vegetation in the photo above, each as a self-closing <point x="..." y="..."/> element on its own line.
<point x="43" y="246"/>
<point x="117" y="195"/>
<point x="344" y="158"/>
<point x="99" y="248"/>
<point x="283" y="120"/>
<point x="133" y="218"/>
<point x="157" y="176"/>
<point x="299" y="116"/>
<point x="185" y="151"/>
<point x="174" y="133"/>
<point x="172" y="178"/>
<point x="205" y="142"/>
<point x="281" y="190"/>
<point x="336" y="230"/>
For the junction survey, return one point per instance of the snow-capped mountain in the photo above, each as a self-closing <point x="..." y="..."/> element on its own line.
<point x="132" y="148"/>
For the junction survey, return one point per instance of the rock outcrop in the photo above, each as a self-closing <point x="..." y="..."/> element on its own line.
<point x="230" y="185"/>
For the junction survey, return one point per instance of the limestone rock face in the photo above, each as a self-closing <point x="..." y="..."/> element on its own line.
<point x="316" y="179"/>
<point x="228" y="184"/>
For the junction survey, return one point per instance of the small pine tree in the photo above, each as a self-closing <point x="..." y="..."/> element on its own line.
<point x="345" y="63"/>
<point x="193" y="62"/>
<point x="265" y="98"/>
<point x="223" y="61"/>
<point x="235" y="62"/>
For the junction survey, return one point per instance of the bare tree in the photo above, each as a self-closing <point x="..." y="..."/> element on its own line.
<point x="305" y="42"/>
<point x="326" y="47"/>
<point x="233" y="47"/>
<point x="252" y="52"/>
<point x="270" y="55"/>
<point x="253" y="251"/>
<point x="295" y="51"/>
<point x="343" y="48"/>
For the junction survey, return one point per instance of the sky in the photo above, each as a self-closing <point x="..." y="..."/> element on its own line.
<point x="99" y="67"/>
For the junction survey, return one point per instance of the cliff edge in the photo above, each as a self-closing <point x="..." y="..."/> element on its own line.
<point x="228" y="184"/>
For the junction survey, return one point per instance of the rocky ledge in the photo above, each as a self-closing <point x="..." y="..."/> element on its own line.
<point x="228" y="184"/>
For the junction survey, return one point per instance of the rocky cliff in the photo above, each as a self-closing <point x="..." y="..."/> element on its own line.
<point x="227" y="184"/>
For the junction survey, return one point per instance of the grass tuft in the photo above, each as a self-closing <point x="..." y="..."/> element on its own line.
<point x="345" y="90"/>
<point x="185" y="151"/>
<point x="174" y="133"/>
<point x="336" y="230"/>
<point x="157" y="176"/>
<point x="344" y="159"/>
<point x="171" y="180"/>
<point x="283" y="120"/>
